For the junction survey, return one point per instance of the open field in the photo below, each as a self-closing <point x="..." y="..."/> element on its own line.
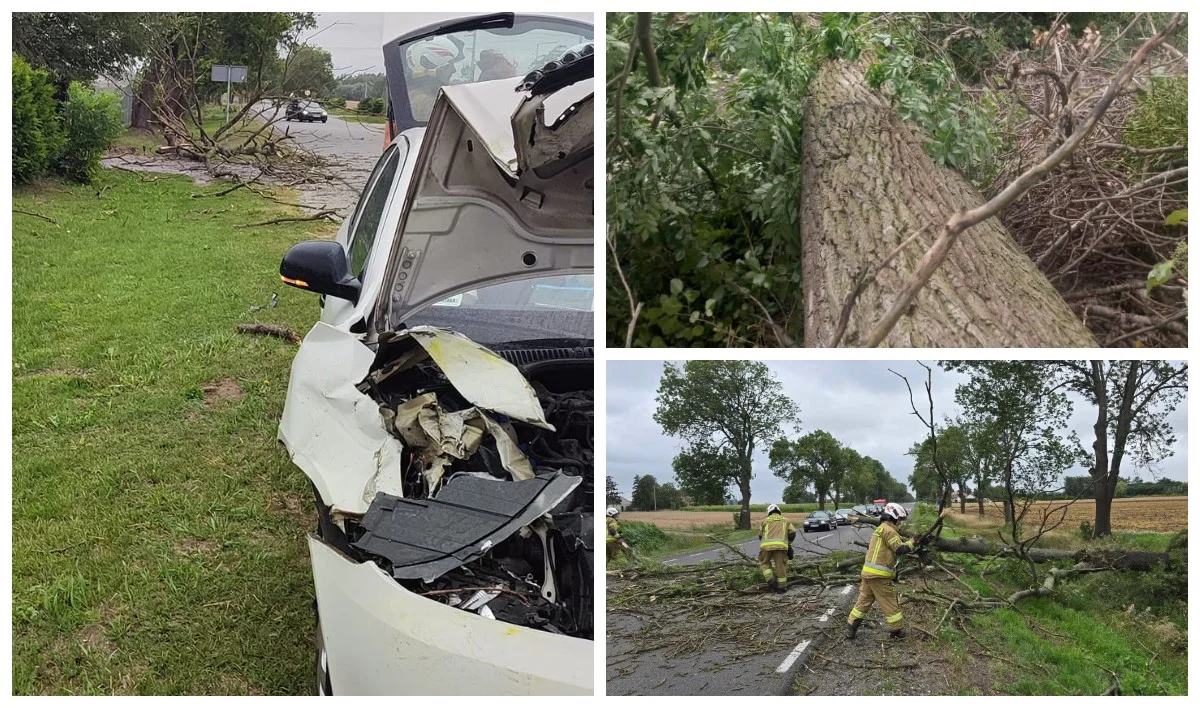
<point x="1128" y="514"/>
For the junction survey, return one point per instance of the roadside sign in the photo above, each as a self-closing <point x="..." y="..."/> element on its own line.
<point x="230" y="75"/>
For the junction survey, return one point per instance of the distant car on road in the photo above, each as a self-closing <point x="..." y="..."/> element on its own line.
<point x="819" y="521"/>
<point x="306" y="112"/>
<point x="842" y="516"/>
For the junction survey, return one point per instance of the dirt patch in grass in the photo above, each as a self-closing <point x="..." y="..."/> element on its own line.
<point x="192" y="546"/>
<point x="93" y="639"/>
<point x="225" y="389"/>
<point x="295" y="507"/>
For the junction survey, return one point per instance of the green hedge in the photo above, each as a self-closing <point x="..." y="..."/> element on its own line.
<point x="36" y="130"/>
<point x="91" y="121"/>
<point x="66" y="139"/>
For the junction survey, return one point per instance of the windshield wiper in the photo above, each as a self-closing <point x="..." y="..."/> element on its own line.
<point x="499" y="20"/>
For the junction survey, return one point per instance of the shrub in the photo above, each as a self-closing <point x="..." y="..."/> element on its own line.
<point x="91" y="121"/>
<point x="37" y="134"/>
<point x="373" y="106"/>
<point x="335" y="102"/>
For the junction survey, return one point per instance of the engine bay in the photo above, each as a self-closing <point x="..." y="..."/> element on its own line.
<point x="495" y="513"/>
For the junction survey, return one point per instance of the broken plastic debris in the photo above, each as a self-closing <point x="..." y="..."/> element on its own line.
<point x="425" y="538"/>
<point x="422" y="423"/>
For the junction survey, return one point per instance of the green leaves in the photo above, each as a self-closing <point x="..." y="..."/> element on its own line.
<point x="1179" y="216"/>
<point x="1160" y="274"/>
<point x="704" y="172"/>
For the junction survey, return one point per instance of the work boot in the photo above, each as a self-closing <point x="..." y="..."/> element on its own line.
<point x="773" y="584"/>
<point x="782" y="589"/>
<point x="898" y="634"/>
<point x="852" y="629"/>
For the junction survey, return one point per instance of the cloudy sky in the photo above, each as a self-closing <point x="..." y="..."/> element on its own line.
<point x="860" y="403"/>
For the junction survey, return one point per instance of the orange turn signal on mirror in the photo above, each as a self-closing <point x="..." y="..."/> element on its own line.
<point x="293" y="281"/>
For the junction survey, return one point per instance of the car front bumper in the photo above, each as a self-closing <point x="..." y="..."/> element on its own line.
<point x="382" y="639"/>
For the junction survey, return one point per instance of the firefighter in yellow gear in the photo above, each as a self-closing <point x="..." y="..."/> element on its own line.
<point x="613" y="540"/>
<point x="879" y="572"/>
<point x="776" y="536"/>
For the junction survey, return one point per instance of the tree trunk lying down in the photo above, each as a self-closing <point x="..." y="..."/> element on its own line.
<point x="1115" y="558"/>
<point x="867" y="186"/>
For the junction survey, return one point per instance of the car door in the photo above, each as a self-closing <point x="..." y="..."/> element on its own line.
<point x="377" y="211"/>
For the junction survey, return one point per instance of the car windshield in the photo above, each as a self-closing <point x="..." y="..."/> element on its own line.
<point x="481" y="55"/>
<point x="819" y="515"/>
<point x="546" y="307"/>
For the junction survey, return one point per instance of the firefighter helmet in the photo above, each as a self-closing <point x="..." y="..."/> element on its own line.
<point x="773" y="509"/>
<point x="612" y="511"/>
<point x="894" y="512"/>
<point x="432" y="56"/>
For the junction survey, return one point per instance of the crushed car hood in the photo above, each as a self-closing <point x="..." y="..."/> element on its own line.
<point x="336" y="434"/>
<point x="484" y="207"/>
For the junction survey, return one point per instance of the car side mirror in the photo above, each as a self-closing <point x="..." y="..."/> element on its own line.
<point x="320" y="267"/>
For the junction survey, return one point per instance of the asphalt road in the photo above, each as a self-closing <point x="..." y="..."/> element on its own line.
<point x="351" y="150"/>
<point x="786" y="625"/>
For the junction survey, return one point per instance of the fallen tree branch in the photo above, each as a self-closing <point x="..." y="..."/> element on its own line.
<point x="35" y="214"/>
<point x="323" y="214"/>
<point x="966" y="218"/>
<point x="269" y="330"/>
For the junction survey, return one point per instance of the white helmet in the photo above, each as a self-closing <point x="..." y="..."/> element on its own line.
<point x="612" y="511"/>
<point x="894" y="511"/>
<point x="773" y="509"/>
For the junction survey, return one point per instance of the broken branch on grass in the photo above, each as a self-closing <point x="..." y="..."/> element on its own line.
<point x="323" y="214"/>
<point x="43" y="217"/>
<point x="965" y="219"/>
<point x="269" y="330"/>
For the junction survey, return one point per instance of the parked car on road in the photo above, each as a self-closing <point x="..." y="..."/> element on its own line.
<point x="819" y="521"/>
<point x="442" y="405"/>
<point x="305" y="112"/>
<point x="842" y="516"/>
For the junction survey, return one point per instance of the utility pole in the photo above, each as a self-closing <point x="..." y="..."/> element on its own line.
<point x="228" y="93"/>
<point x="654" y="496"/>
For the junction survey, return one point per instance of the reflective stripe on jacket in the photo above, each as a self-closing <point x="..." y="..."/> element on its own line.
<point x="881" y="553"/>
<point x="613" y="530"/>
<point x="774" y="532"/>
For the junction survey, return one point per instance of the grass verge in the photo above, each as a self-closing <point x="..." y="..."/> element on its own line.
<point x="355" y="115"/>
<point x="650" y="541"/>
<point x="158" y="528"/>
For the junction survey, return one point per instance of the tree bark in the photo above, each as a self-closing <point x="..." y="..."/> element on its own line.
<point x="868" y="187"/>
<point x="1114" y="558"/>
<point x="744" y="486"/>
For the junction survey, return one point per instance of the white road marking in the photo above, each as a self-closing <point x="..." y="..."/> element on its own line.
<point x="791" y="658"/>
<point x="846" y="590"/>
<point x="828" y="613"/>
<point x="822" y="538"/>
<point x="676" y="560"/>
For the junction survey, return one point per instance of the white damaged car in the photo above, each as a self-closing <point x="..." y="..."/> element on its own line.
<point x="443" y="405"/>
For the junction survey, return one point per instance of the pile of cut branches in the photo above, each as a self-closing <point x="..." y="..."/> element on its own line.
<point x="1103" y="221"/>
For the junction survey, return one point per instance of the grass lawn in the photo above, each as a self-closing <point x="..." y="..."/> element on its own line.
<point x="1131" y="624"/>
<point x="158" y="527"/>
<point x="650" y="541"/>
<point x="355" y="115"/>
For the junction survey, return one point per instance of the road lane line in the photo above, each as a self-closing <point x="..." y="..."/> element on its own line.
<point x="846" y="590"/>
<point x="828" y="613"/>
<point x="822" y="538"/>
<point x="791" y="658"/>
